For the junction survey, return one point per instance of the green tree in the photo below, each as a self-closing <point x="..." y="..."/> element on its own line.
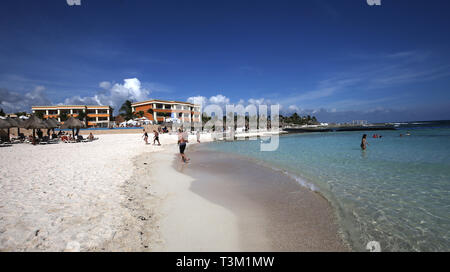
<point x="140" y="114"/>
<point x="21" y="113"/>
<point x="2" y="113"/>
<point x="205" y="118"/>
<point x="39" y="114"/>
<point x="82" y="116"/>
<point x="126" y="111"/>
<point x="63" y="116"/>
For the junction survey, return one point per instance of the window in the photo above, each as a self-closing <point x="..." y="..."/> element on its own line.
<point x="163" y="114"/>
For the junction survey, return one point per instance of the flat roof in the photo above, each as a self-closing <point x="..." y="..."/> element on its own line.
<point x="70" y="107"/>
<point x="162" y="101"/>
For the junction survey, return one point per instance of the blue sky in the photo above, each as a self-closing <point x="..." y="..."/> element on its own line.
<point x="339" y="60"/>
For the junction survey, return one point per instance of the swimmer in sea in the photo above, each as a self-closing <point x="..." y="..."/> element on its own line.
<point x="364" y="142"/>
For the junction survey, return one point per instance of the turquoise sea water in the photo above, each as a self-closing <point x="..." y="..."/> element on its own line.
<point x="397" y="192"/>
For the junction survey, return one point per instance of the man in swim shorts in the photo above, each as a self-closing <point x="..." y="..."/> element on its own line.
<point x="182" y="141"/>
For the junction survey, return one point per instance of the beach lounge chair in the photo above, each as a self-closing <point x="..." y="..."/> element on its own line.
<point x="54" y="141"/>
<point x="3" y="144"/>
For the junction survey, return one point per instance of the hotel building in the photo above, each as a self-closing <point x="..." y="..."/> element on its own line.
<point x="159" y="110"/>
<point x="98" y="116"/>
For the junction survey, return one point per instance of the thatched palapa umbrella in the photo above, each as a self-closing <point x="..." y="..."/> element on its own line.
<point x="14" y="123"/>
<point x="72" y="123"/>
<point x="20" y="122"/>
<point x="5" y="124"/>
<point x="51" y="125"/>
<point x="34" y="123"/>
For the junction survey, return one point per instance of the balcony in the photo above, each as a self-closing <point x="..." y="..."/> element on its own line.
<point x="98" y="115"/>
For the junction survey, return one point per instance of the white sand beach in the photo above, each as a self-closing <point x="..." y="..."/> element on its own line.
<point x="118" y="194"/>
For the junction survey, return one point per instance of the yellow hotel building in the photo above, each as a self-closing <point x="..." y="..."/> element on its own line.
<point x="98" y="116"/>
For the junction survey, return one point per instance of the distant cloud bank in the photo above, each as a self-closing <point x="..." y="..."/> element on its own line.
<point x="113" y="94"/>
<point x="11" y="101"/>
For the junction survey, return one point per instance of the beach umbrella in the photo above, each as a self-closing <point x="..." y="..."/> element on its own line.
<point x="20" y="124"/>
<point x="34" y="123"/>
<point x="14" y="123"/>
<point x="56" y="121"/>
<point x="5" y="124"/>
<point x="72" y="123"/>
<point x="51" y="125"/>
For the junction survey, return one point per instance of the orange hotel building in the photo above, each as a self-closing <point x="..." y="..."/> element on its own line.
<point x="99" y="116"/>
<point x="158" y="110"/>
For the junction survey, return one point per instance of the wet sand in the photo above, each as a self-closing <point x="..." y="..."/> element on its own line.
<point x="243" y="206"/>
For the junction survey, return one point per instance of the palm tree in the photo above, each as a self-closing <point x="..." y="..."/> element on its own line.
<point x="82" y="116"/>
<point x="63" y="116"/>
<point x="140" y="114"/>
<point x="39" y="114"/>
<point x="21" y="113"/>
<point x="126" y="110"/>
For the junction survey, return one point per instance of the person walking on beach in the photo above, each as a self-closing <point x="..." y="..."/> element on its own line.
<point x="156" y="137"/>
<point x="364" y="142"/>
<point x="145" y="136"/>
<point x="182" y="141"/>
<point x="198" y="136"/>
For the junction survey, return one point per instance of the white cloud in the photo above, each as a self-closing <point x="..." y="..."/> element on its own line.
<point x="113" y="95"/>
<point x="199" y="100"/>
<point x="256" y="101"/>
<point x="219" y="99"/>
<point x="105" y="85"/>
<point x="294" y="108"/>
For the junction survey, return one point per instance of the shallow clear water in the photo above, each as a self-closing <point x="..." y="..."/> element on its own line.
<point x="397" y="192"/>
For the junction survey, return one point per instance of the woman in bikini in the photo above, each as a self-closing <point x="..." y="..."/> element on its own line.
<point x="364" y="142"/>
